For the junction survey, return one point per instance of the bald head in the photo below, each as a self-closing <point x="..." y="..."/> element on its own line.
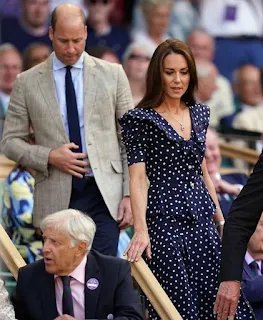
<point x="201" y="43"/>
<point x="68" y="33"/>
<point x="67" y="13"/>
<point x="247" y="86"/>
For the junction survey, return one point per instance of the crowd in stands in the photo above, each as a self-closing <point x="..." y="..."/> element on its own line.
<point x="226" y="39"/>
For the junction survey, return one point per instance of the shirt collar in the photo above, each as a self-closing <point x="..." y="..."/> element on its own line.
<point x="57" y="64"/>
<point x="78" y="273"/>
<point x="249" y="258"/>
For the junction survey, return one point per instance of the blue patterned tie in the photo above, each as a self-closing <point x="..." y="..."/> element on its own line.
<point x="255" y="268"/>
<point x="67" y="301"/>
<point x="73" y="122"/>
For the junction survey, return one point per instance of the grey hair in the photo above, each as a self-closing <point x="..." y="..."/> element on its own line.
<point x="147" y="5"/>
<point x="75" y="224"/>
<point x="202" y="31"/>
<point x="135" y="45"/>
<point x="8" y="47"/>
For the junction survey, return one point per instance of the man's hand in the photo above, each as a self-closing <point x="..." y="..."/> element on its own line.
<point x="227" y="300"/>
<point x="125" y="218"/>
<point x="68" y="161"/>
<point x="222" y="186"/>
<point x="65" y="317"/>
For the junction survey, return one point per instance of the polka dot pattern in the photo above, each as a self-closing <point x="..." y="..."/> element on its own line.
<point x="185" y="244"/>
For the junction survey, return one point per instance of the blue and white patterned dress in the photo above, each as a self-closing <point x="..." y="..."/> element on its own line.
<point x="185" y="244"/>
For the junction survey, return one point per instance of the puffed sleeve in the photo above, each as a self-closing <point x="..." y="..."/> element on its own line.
<point x="134" y="137"/>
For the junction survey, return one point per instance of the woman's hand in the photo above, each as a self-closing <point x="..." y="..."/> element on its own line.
<point x="139" y="242"/>
<point x="220" y="230"/>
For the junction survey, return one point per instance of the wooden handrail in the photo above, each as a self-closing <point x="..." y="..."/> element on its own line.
<point x="232" y="151"/>
<point x="153" y="290"/>
<point x="9" y="253"/>
<point x="6" y="166"/>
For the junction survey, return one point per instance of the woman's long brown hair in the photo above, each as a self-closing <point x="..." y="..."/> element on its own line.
<point x="154" y="80"/>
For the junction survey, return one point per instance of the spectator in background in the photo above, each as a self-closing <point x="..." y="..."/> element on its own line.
<point x="136" y="60"/>
<point x="247" y="87"/>
<point x="252" y="278"/>
<point x="10" y="67"/>
<point x="104" y="53"/>
<point x="183" y="18"/>
<point x="17" y="216"/>
<point x="207" y="87"/>
<point x="203" y="47"/>
<point x="35" y="54"/>
<point x="157" y="16"/>
<point x="227" y="186"/>
<point x="238" y="30"/>
<point x="101" y="32"/>
<point x="31" y="26"/>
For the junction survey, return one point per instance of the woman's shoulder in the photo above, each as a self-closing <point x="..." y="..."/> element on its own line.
<point x="136" y="115"/>
<point x="200" y="111"/>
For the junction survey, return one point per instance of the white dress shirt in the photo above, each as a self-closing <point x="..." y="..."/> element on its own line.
<point x="247" y="21"/>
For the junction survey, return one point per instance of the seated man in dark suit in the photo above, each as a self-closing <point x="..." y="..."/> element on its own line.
<point x="73" y="281"/>
<point x="252" y="279"/>
<point x="227" y="186"/>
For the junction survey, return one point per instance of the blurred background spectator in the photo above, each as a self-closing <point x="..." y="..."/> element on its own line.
<point x="35" y="54"/>
<point x="209" y="93"/>
<point x="183" y="17"/>
<point x="17" y="215"/>
<point x="227" y="186"/>
<point x="10" y="67"/>
<point x="136" y="60"/>
<point x="237" y="27"/>
<point x="222" y="101"/>
<point x="247" y="87"/>
<point x="104" y="53"/>
<point x="157" y="15"/>
<point x="31" y="25"/>
<point x="100" y="30"/>
<point x="252" y="278"/>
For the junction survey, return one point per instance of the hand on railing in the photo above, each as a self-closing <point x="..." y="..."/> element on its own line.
<point x="139" y="242"/>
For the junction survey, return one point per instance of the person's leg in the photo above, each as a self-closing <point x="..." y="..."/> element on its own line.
<point x="90" y="201"/>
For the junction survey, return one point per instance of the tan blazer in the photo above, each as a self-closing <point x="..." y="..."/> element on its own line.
<point x="106" y="97"/>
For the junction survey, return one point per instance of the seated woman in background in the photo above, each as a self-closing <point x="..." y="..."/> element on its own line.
<point x="227" y="186"/>
<point x="17" y="212"/>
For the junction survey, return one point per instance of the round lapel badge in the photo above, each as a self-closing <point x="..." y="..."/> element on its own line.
<point x="92" y="283"/>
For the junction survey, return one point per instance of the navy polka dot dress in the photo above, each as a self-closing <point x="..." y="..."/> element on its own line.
<point x="184" y="242"/>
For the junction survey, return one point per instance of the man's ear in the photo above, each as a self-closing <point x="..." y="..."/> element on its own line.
<point x="81" y="248"/>
<point x="51" y="33"/>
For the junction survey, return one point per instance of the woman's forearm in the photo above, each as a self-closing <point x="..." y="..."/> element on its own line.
<point x="138" y="195"/>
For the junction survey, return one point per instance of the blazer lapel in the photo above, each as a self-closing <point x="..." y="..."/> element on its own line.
<point x="48" y="296"/>
<point x="47" y="86"/>
<point x="92" y="287"/>
<point x="91" y="74"/>
<point x="248" y="270"/>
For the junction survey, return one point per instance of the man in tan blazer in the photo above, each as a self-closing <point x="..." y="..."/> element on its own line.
<point x="102" y="95"/>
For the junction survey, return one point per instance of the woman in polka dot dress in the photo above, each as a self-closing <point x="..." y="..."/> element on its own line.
<point x="175" y="217"/>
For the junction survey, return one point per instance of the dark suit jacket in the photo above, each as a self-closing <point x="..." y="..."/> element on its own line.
<point x="253" y="289"/>
<point x="241" y="224"/>
<point x="34" y="298"/>
<point x="233" y="178"/>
